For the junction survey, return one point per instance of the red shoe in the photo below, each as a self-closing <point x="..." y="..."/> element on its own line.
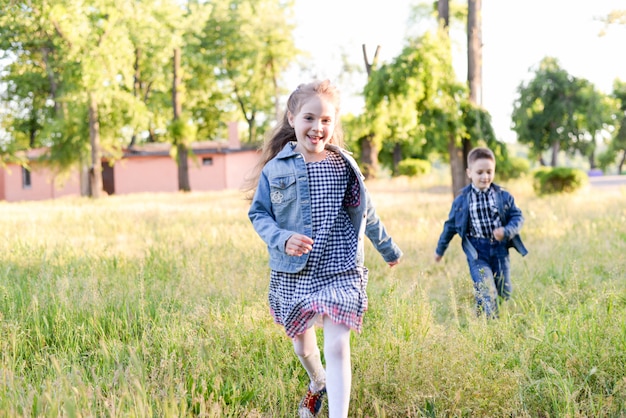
<point x="311" y="405"/>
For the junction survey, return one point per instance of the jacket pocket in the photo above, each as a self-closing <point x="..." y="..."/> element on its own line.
<point x="459" y="219"/>
<point x="282" y="189"/>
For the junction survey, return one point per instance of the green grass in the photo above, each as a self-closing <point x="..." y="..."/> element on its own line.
<point x="155" y="305"/>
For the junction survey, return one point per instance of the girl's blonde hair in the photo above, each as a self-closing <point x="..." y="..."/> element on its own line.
<point x="284" y="133"/>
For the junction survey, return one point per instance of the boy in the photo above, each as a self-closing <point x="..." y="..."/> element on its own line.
<point x="488" y="222"/>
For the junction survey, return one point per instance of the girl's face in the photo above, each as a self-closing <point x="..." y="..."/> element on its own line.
<point x="481" y="173"/>
<point x="314" y="125"/>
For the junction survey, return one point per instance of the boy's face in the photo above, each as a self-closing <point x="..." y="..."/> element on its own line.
<point x="481" y="172"/>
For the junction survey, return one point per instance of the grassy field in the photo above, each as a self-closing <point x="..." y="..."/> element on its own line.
<point x="155" y="306"/>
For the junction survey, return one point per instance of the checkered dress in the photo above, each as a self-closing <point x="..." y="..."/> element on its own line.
<point x="331" y="283"/>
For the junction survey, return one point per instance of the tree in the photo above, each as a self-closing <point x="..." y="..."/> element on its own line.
<point x="249" y="44"/>
<point x="455" y="150"/>
<point x="81" y="49"/>
<point x="96" y="48"/>
<point x="155" y="29"/>
<point x="616" y="17"/>
<point x="87" y="79"/>
<point x="415" y="100"/>
<point x="474" y="51"/>
<point x="541" y="112"/>
<point x="30" y="76"/>
<point x="100" y="79"/>
<point x="415" y="106"/>
<point x="182" y="151"/>
<point x="594" y="120"/>
<point x="474" y="63"/>
<point x="369" y="142"/>
<point x="617" y="147"/>
<point x="558" y="112"/>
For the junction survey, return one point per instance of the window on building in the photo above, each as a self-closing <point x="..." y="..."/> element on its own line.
<point x="207" y="160"/>
<point x="26" y="184"/>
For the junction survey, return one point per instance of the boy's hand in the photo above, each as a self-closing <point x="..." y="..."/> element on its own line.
<point x="438" y="257"/>
<point x="498" y="233"/>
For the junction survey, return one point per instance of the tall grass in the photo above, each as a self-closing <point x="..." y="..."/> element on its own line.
<point x="155" y="305"/>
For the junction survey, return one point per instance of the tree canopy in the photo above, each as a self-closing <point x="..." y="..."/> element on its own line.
<point x="556" y="111"/>
<point x="93" y="77"/>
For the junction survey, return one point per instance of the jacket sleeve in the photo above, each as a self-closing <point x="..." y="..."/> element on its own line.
<point x="514" y="220"/>
<point x="377" y="234"/>
<point x="262" y="217"/>
<point x="449" y="230"/>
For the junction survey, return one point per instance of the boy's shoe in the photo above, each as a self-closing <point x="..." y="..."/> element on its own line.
<point x="311" y="405"/>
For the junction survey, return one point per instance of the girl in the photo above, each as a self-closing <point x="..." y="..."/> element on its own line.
<point x="311" y="208"/>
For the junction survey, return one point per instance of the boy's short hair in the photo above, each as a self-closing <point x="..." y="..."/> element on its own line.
<point x="480" y="153"/>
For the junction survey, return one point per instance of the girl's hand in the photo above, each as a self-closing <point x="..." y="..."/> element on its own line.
<point x="298" y="244"/>
<point x="498" y="233"/>
<point x="393" y="263"/>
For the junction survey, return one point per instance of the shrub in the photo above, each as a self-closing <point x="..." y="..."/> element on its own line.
<point x="558" y="180"/>
<point x="413" y="167"/>
<point x="512" y="168"/>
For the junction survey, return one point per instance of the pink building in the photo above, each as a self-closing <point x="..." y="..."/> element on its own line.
<point x="213" y="165"/>
<point x="37" y="182"/>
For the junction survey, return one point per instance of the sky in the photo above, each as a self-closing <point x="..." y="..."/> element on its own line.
<point x="516" y="35"/>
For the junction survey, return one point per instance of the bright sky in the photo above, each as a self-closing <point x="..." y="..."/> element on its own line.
<point x="517" y="34"/>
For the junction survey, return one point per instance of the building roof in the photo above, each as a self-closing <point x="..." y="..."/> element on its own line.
<point x="202" y="147"/>
<point x="154" y="149"/>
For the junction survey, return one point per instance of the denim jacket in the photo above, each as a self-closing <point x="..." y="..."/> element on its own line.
<point x="458" y="222"/>
<point x="281" y="206"/>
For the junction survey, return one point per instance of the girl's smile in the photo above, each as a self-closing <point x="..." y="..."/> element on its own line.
<point x="314" y="125"/>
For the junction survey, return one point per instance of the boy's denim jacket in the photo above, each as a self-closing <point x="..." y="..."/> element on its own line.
<point x="458" y="222"/>
<point x="281" y="206"/>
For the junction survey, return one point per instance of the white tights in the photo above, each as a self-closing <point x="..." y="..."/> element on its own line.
<point x="338" y="374"/>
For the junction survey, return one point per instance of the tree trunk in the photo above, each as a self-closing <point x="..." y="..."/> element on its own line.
<point x="592" y="161"/>
<point x="474" y="64"/>
<point x="443" y="10"/>
<point x="95" y="168"/>
<point x="252" y="127"/>
<point x="52" y="80"/>
<point x="556" y="147"/>
<point x="369" y="157"/>
<point x="182" y="152"/>
<point x="277" y="104"/>
<point x="474" y="51"/>
<point x="457" y="169"/>
<point x="620" y="165"/>
<point x="369" y="150"/>
<point x="368" y="64"/>
<point x="137" y="74"/>
<point x="542" y="162"/>
<point x="182" y="156"/>
<point x="456" y="153"/>
<point x="136" y="88"/>
<point x="397" y="157"/>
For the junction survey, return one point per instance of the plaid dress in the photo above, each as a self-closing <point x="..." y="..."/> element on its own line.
<point x="331" y="283"/>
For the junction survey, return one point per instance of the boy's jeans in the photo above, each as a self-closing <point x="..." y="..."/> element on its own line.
<point x="491" y="274"/>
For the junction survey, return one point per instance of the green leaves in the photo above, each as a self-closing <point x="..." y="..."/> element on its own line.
<point x="416" y="99"/>
<point x="248" y="44"/>
<point x="120" y="52"/>
<point x="557" y="111"/>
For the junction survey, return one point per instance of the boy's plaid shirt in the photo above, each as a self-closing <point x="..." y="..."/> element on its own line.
<point x="484" y="216"/>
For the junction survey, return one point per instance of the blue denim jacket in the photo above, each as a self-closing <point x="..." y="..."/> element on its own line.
<point x="281" y="206"/>
<point x="458" y="222"/>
